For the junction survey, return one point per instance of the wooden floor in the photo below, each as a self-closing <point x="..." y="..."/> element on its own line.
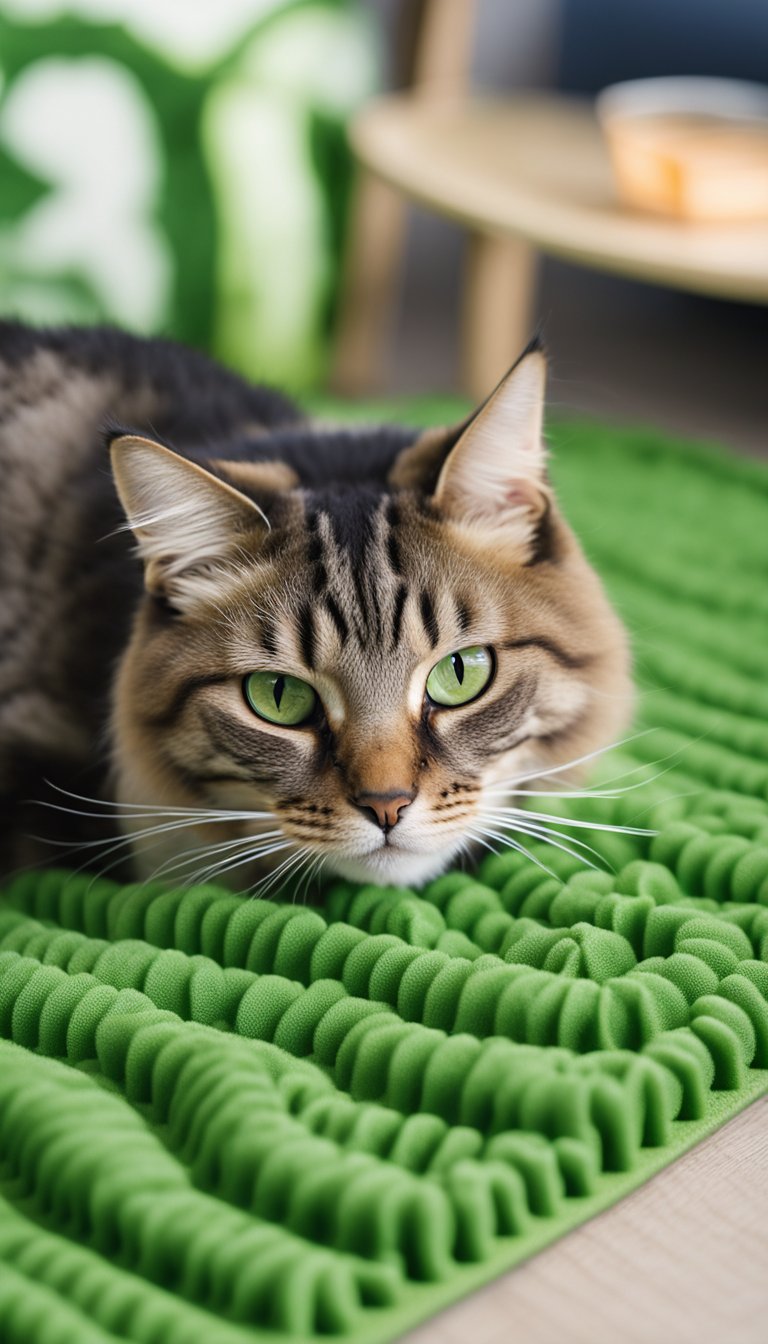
<point x="683" y="1260"/>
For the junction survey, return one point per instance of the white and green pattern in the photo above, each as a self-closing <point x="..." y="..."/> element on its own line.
<point x="180" y="168"/>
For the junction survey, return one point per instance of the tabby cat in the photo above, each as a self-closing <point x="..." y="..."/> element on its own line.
<point x="347" y="645"/>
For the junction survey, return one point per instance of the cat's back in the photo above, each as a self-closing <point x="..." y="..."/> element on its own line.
<point x="61" y="387"/>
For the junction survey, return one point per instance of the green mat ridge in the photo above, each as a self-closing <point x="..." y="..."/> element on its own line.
<point x="231" y="1120"/>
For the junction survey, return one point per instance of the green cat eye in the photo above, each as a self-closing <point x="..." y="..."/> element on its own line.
<point x="461" y="676"/>
<point x="279" y="698"/>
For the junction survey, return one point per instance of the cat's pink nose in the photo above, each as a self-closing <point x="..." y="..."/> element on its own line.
<point x="385" y="808"/>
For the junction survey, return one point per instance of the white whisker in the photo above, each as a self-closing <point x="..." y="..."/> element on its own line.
<point x="302" y="889"/>
<point x="477" y="832"/>
<point x="222" y="848"/>
<point x="114" y="845"/>
<point x="280" y="873"/>
<point x="206" y="871"/>
<point x="149" y="810"/>
<point x="523" y="813"/>
<point x="544" y="839"/>
<point x="544" y="833"/>
<point x="129" y="837"/>
<point x="603" y="791"/>
<point x="580" y="760"/>
<point x="191" y="815"/>
<point x="215" y="870"/>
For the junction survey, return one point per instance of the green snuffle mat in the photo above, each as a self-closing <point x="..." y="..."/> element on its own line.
<point x="230" y="1120"/>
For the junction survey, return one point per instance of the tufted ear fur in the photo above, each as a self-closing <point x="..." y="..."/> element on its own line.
<point x="489" y="473"/>
<point x="495" y="476"/>
<point x="190" y="526"/>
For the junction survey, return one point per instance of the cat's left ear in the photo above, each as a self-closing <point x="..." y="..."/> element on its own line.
<point x="490" y="472"/>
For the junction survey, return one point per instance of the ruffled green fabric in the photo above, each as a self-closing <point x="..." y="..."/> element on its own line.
<point x="236" y="1120"/>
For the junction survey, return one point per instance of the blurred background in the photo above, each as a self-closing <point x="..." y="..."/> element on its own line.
<point x="184" y="169"/>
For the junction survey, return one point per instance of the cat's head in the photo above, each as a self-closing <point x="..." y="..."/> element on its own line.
<point x="369" y="663"/>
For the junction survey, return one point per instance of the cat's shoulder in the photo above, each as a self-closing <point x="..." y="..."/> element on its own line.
<point x="189" y="390"/>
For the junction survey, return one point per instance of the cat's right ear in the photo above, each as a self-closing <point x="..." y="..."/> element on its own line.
<point x="488" y="474"/>
<point x="190" y="526"/>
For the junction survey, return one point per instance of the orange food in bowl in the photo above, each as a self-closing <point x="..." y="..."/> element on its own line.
<point x="693" y="149"/>
<point x="694" y="168"/>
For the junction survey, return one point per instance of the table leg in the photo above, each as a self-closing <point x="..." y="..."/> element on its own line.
<point x="499" y="281"/>
<point x="369" y="287"/>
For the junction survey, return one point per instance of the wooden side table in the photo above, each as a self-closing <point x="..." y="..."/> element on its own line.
<point x="525" y="176"/>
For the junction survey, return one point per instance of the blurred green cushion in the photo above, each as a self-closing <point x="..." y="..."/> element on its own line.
<point x="182" y="173"/>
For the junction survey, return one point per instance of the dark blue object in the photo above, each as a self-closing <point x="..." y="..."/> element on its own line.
<point x="603" y="42"/>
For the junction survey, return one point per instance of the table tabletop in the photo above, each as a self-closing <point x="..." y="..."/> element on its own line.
<point x="536" y="167"/>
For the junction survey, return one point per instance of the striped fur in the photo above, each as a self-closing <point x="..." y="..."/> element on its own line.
<point x="349" y="558"/>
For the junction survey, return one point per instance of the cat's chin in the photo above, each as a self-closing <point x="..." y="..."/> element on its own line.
<point x="388" y="866"/>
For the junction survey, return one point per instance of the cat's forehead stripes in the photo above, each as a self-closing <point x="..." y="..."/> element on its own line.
<point x="365" y="579"/>
<point x="351" y="553"/>
<point x="365" y="599"/>
<point x="429" y="617"/>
